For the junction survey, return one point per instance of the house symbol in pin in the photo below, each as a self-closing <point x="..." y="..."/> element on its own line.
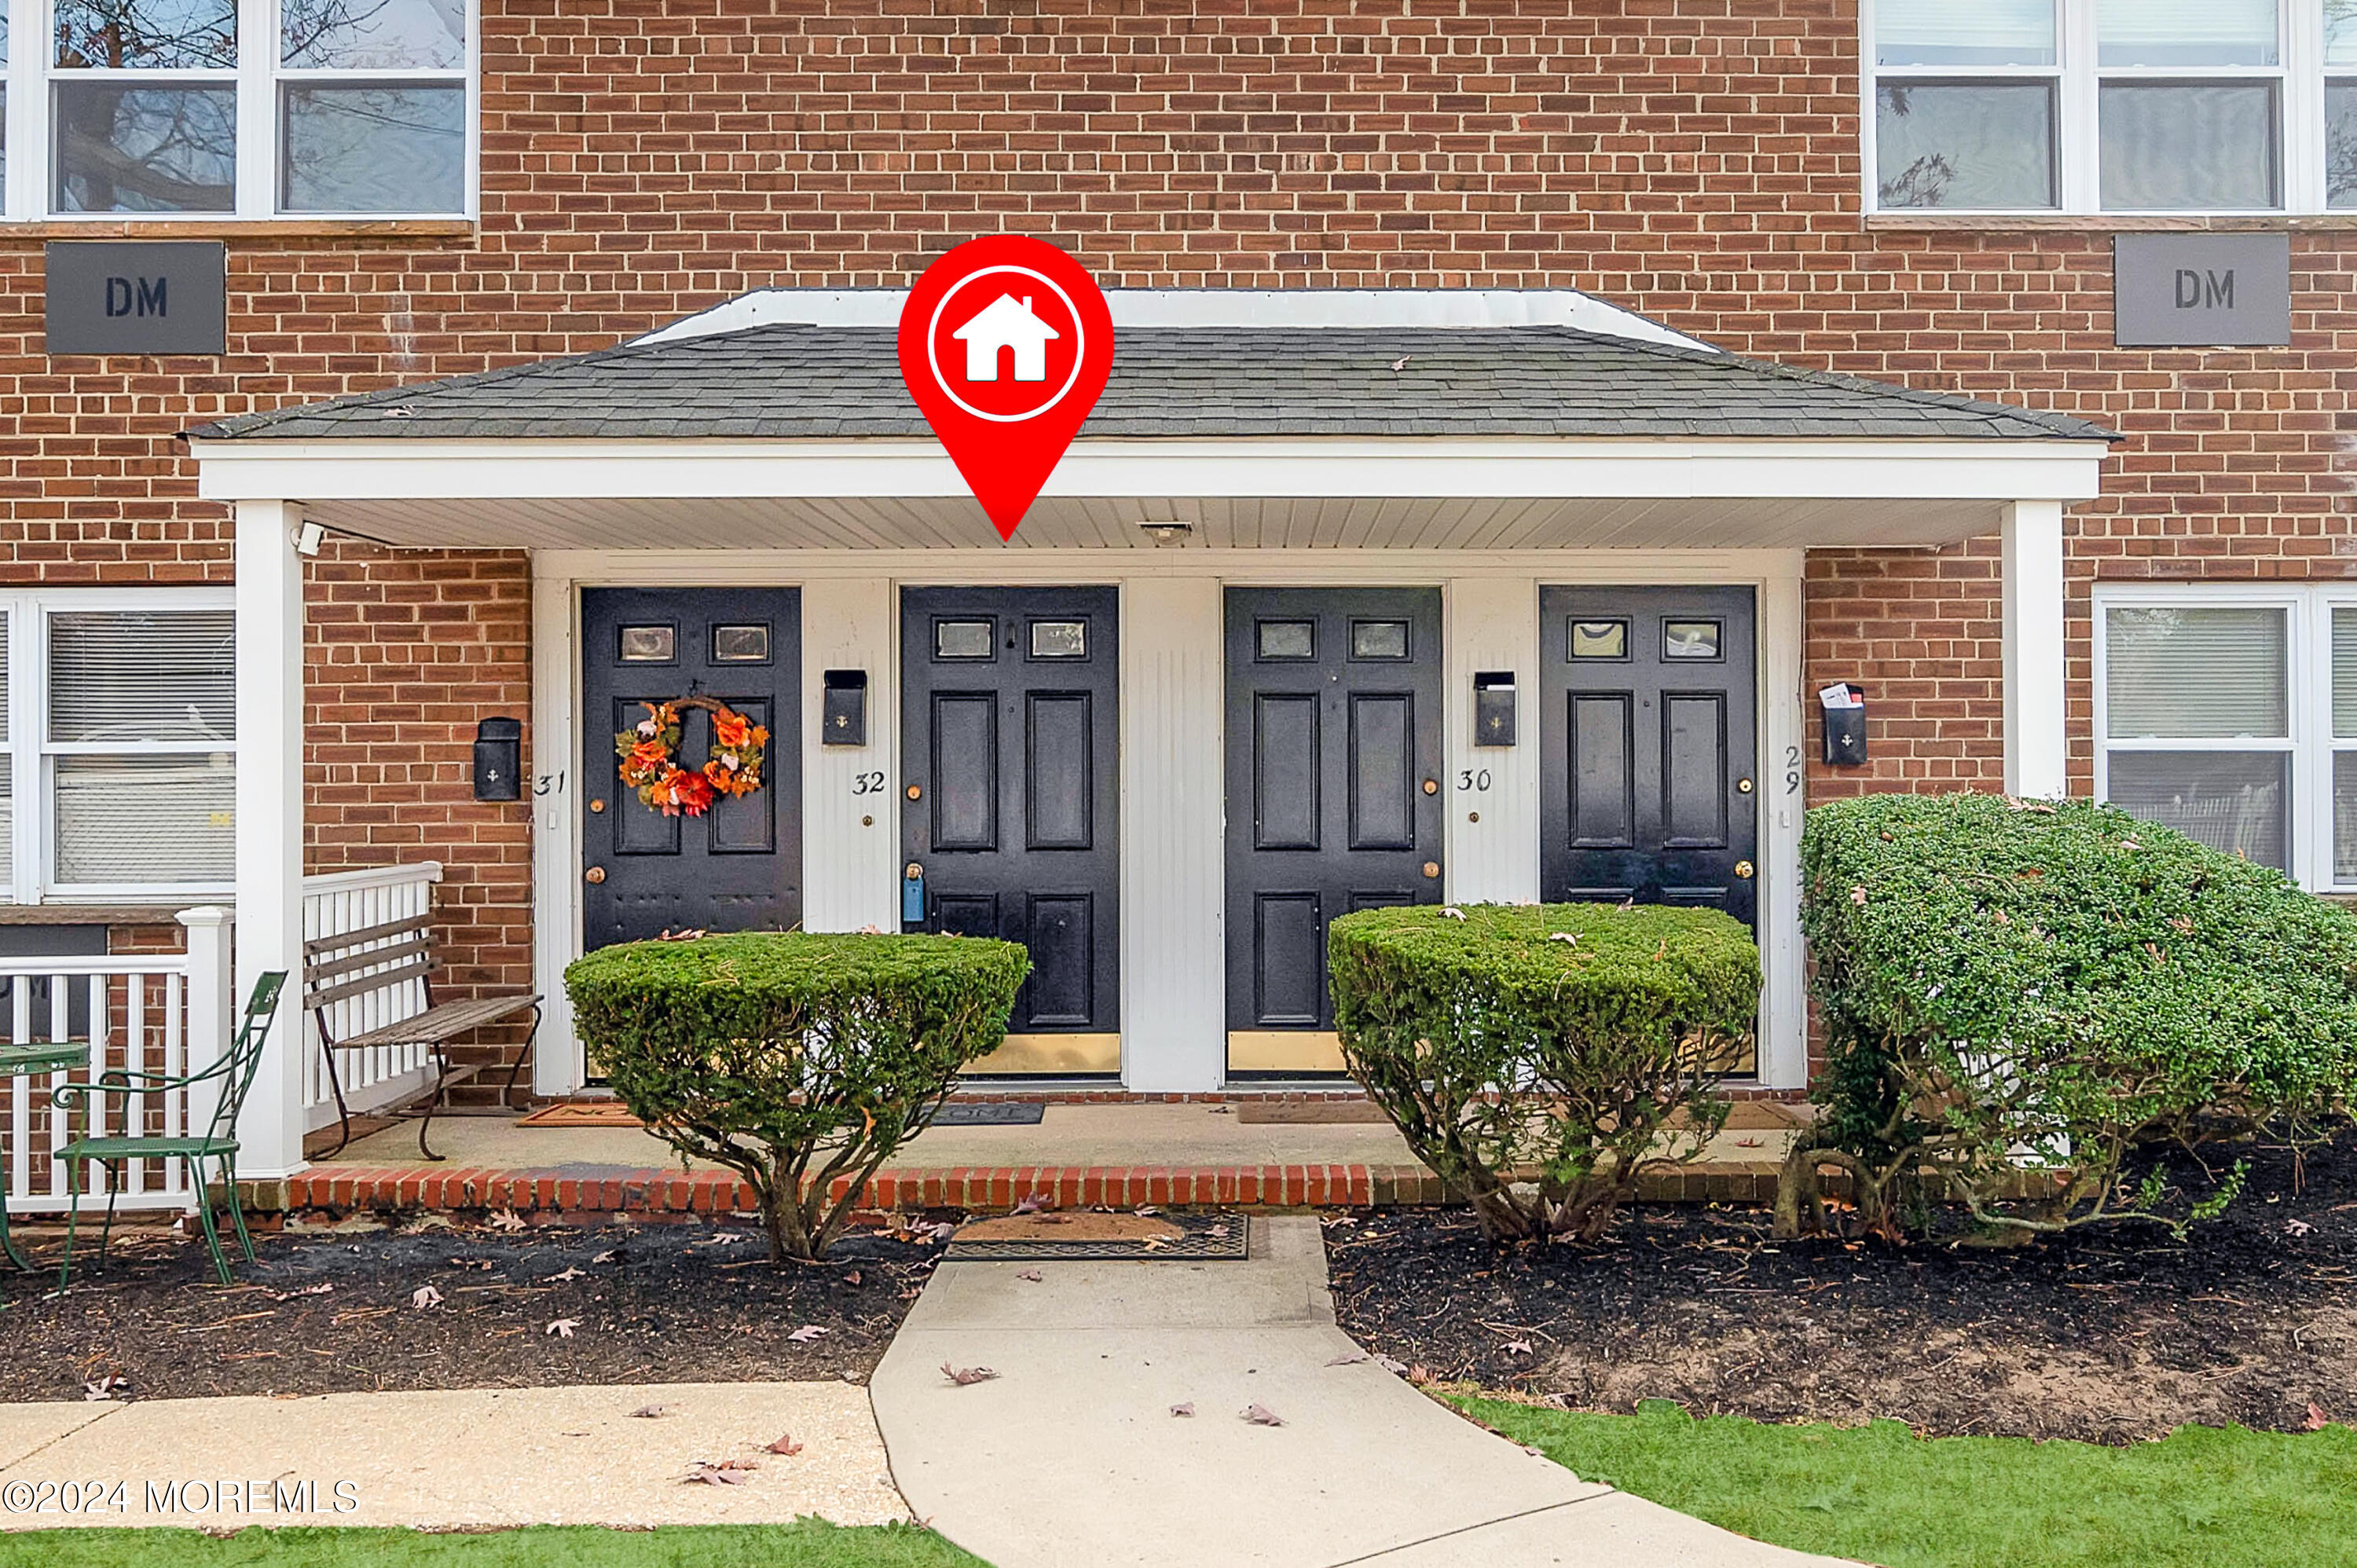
<point x="1006" y="324"/>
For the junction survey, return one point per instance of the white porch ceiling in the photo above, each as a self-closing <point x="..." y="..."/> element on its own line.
<point x="1104" y="522"/>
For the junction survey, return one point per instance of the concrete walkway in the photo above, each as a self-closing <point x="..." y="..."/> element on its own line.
<point x="457" y="1458"/>
<point x="1072" y="1457"/>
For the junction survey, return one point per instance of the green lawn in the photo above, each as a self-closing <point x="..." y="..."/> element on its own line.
<point x="807" y="1544"/>
<point x="2203" y="1497"/>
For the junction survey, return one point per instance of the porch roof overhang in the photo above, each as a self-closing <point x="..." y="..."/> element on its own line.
<point x="1403" y="493"/>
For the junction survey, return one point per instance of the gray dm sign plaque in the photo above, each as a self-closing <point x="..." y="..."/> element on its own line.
<point x="137" y="296"/>
<point x="2201" y="290"/>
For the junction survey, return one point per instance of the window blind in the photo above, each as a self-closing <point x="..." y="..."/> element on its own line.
<point x="146" y="821"/>
<point x="2344" y="673"/>
<point x="1940" y="32"/>
<point x="142" y="676"/>
<point x="2185" y="32"/>
<point x="2215" y="671"/>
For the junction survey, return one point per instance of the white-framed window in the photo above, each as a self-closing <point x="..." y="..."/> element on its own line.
<point x="118" y="748"/>
<point x="2229" y="712"/>
<point x="2110" y="106"/>
<point x="238" y="108"/>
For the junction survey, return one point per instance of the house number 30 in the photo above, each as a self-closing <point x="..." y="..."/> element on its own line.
<point x="1468" y="779"/>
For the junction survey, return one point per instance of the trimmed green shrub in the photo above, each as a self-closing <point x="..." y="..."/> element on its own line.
<point x="1541" y="1058"/>
<point x="793" y="1059"/>
<point x="2017" y="995"/>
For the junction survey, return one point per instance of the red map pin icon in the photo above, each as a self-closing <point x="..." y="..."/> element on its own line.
<point x="1006" y="343"/>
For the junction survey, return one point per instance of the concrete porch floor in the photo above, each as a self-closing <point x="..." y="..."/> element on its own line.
<point x="1119" y="1155"/>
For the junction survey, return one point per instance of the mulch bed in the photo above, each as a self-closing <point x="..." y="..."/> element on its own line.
<point x="332" y="1310"/>
<point x="2109" y="1335"/>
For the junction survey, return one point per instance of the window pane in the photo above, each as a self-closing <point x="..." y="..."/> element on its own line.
<point x="128" y="675"/>
<point x="2340" y="143"/>
<point x="1964" y="145"/>
<point x="2201" y="673"/>
<point x="1287" y="639"/>
<point x="1059" y="640"/>
<point x="2344" y="673"/>
<point x="2232" y="801"/>
<point x="372" y="35"/>
<point x="965" y="639"/>
<point x="1379" y="640"/>
<point x="2340" y="32"/>
<point x="1940" y="32"/>
<point x="2185" y="32"/>
<point x="373" y="148"/>
<point x="2188" y="145"/>
<point x="146" y="148"/>
<point x="159" y="35"/>
<point x="146" y="818"/>
<point x="2344" y="816"/>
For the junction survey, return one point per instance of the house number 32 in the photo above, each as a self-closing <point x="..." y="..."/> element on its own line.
<point x="868" y="783"/>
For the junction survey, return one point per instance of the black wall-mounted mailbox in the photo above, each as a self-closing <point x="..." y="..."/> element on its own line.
<point x="1844" y="706"/>
<point x="1493" y="707"/>
<point x="499" y="759"/>
<point x="843" y="714"/>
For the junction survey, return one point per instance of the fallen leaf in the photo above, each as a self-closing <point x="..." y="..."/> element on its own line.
<point x="1147" y="1209"/>
<point x="1396" y="1368"/>
<point x="1032" y="1274"/>
<point x="307" y="1290"/>
<point x="425" y="1296"/>
<point x="1571" y="937"/>
<point x="1519" y="1348"/>
<point x="806" y="1333"/>
<point x="570" y="1273"/>
<point x="471" y="1263"/>
<point x="1032" y="1204"/>
<point x="106" y="1389"/>
<point x="1187" y="1409"/>
<point x="727" y="1473"/>
<point x="1449" y="913"/>
<point x="603" y="1257"/>
<point x="1261" y="1415"/>
<point x="650" y="1412"/>
<point x="1351" y="1359"/>
<point x="1857" y="895"/>
<point x="563" y="1327"/>
<point x="507" y="1219"/>
<point x="961" y="1376"/>
<point x="1217" y="1232"/>
<point x="2317" y="1420"/>
<point x="785" y="1445"/>
<point x="1401" y="363"/>
<point x="851" y="1278"/>
<point x="1419" y="1374"/>
<point x="2298" y="1227"/>
<point x="1154" y="1243"/>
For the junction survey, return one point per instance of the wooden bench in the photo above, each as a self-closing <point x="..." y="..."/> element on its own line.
<point x="390" y="958"/>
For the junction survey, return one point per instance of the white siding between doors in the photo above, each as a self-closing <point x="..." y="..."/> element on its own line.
<point x="851" y="868"/>
<point x="1490" y="623"/>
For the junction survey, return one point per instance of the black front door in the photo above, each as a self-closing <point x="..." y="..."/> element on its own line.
<point x="1333" y="770"/>
<point x="737" y="866"/>
<point x="1010" y="800"/>
<point x="1647" y="720"/>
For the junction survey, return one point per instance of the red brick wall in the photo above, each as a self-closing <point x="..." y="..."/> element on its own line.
<point x="1693" y="159"/>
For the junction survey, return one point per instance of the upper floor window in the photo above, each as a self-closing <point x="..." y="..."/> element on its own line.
<point x="2100" y="106"/>
<point x="236" y="107"/>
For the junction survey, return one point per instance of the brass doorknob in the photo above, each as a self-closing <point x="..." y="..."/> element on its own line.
<point x="1743" y="870"/>
<point x="1432" y="868"/>
<point x="1432" y="786"/>
<point x="594" y="875"/>
<point x="1743" y="786"/>
<point x="596" y="807"/>
<point x="916" y="791"/>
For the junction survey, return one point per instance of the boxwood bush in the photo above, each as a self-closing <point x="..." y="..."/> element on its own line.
<point x="793" y="1059"/>
<point x="2018" y="995"/>
<point x="1541" y="1058"/>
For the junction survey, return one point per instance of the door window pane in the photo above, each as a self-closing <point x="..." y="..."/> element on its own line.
<point x="145" y="148"/>
<point x="1059" y="640"/>
<point x="2172" y="145"/>
<point x="2185" y="32"/>
<point x="964" y="638"/>
<point x="1972" y="143"/>
<point x="127" y="675"/>
<point x="2201" y="673"/>
<point x="372" y="35"/>
<point x="1940" y="32"/>
<point x="1690" y="639"/>
<point x="1287" y="639"/>
<point x="1379" y="640"/>
<point x="650" y="644"/>
<point x="2234" y="801"/>
<point x="373" y="148"/>
<point x="146" y="820"/>
<point x="154" y="34"/>
<point x="1599" y="640"/>
<point x="741" y="644"/>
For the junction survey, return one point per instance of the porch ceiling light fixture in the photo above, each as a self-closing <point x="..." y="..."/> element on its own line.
<point x="1163" y="533"/>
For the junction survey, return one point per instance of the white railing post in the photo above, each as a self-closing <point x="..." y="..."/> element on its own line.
<point x="211" y="1006"/>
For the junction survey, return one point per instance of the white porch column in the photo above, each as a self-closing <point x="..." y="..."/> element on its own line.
<point x="1173" y="955"/>
<point x="2036" y="754"/>
<point x="270" y="823"/>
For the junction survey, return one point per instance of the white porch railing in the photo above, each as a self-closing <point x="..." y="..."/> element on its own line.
<point x="336" y="903"/>
<point x="159" y="1012"/>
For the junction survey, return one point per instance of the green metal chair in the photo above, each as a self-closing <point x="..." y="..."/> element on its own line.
<point x="235" y="1072"/>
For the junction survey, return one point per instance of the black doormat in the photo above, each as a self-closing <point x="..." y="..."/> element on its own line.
<point x="991" y="1113"/>
<point x="1093" y="1234"/>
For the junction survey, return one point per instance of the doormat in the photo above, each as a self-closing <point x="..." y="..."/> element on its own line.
<point x="990" y="1113"/>
<point x="582" y="1113"/>
<point x="1307" y="1113"/>
<point x="1084" y="1234"/>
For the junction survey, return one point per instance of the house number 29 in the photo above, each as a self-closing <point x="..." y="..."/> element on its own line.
<point x="1791" y="770"/>
<point x="1468" y="779"/>
<point x="868" y="783"/>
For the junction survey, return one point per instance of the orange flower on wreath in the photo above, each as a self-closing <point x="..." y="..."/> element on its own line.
<point x="650" y="763"/>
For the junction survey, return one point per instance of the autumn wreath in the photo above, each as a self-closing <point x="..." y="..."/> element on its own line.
<point x="649" y="754"/>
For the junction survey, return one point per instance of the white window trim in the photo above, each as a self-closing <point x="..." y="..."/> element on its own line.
<point x="259" y="78"/>
<point x="2307" y="641"/>
<point x="2301" y="127"/>
<point x="34" y="847"/>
